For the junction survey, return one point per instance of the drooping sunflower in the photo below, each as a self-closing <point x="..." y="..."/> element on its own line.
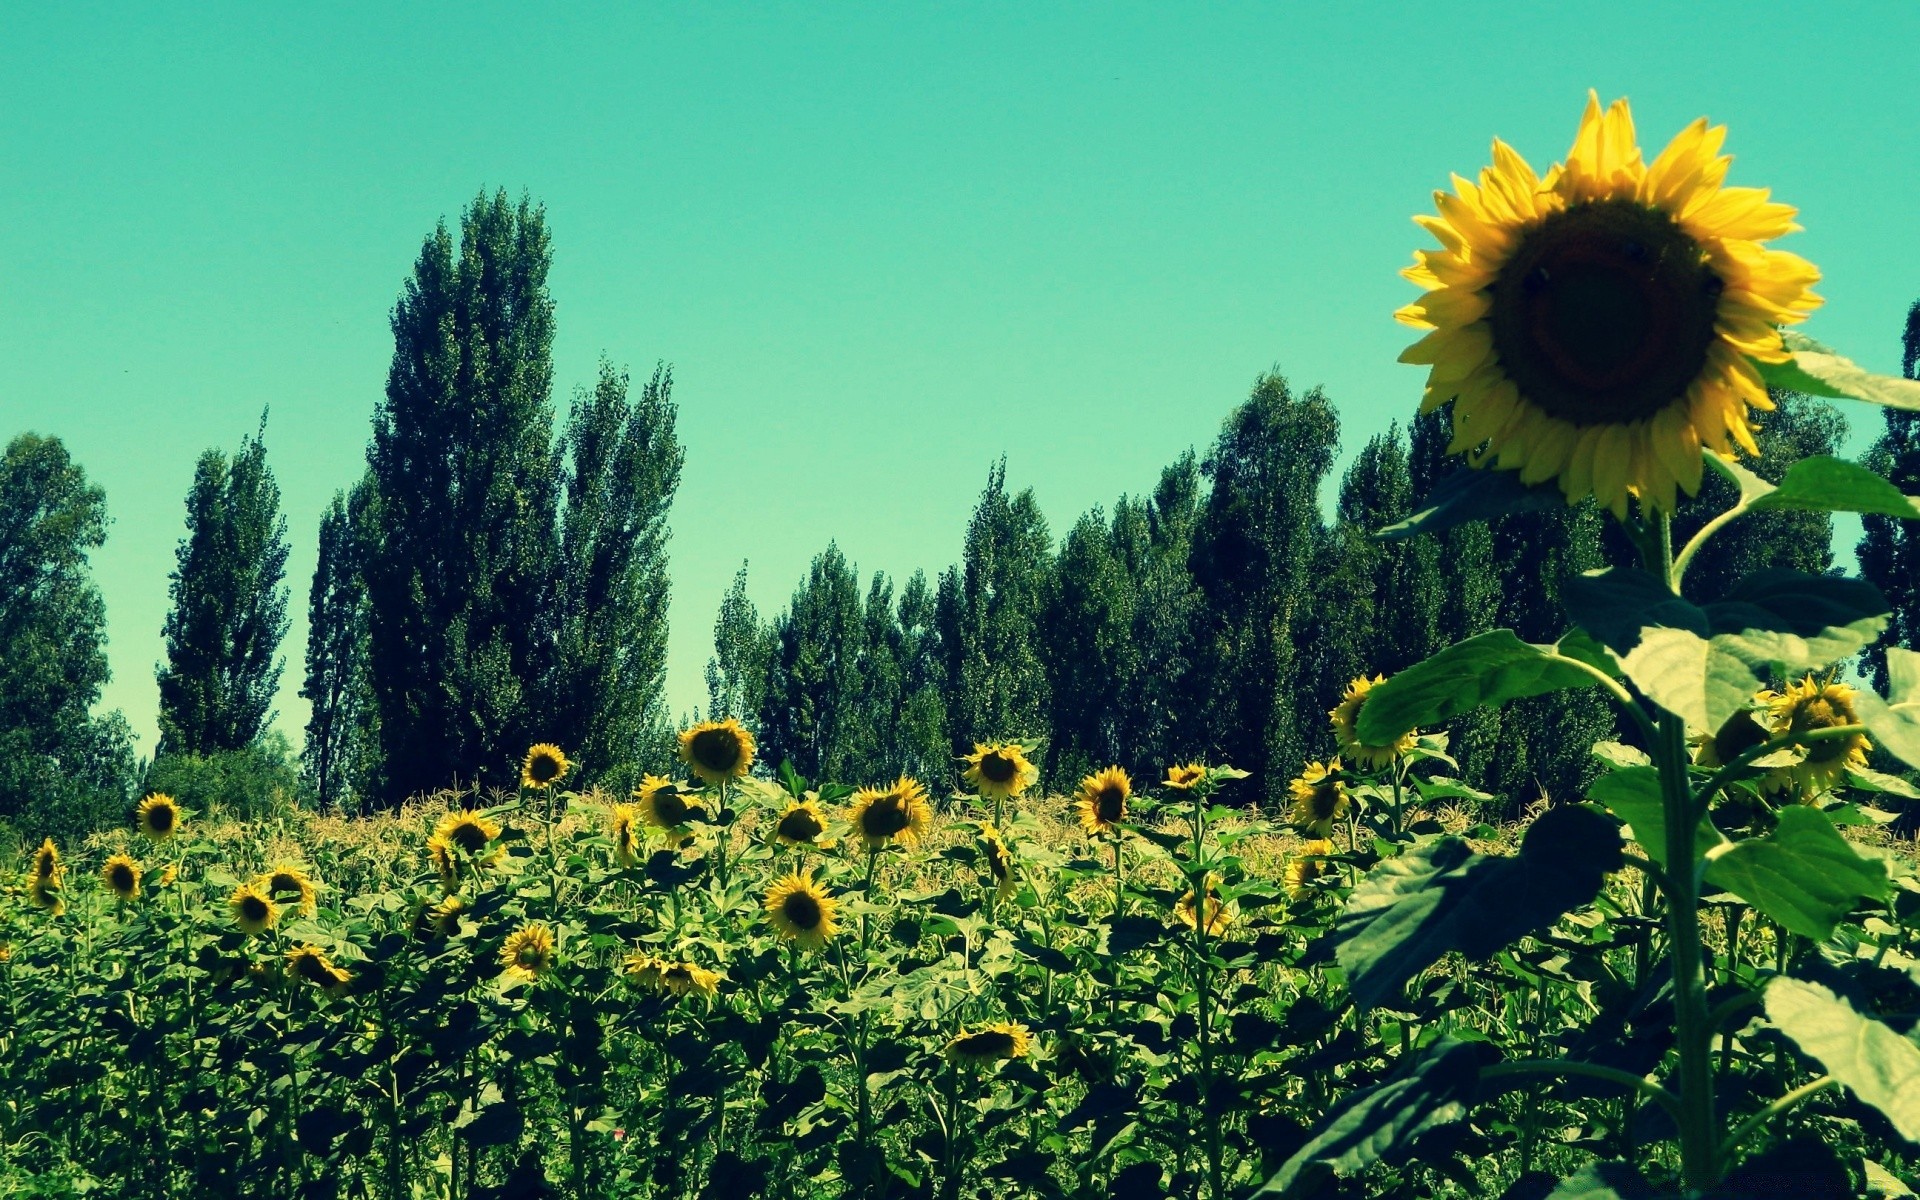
<point x="1218" y="916"/>
<point x="664" y="804"/>
<point x="310" y="963"/>
<point x="685" y="979"/>
<point x="528" y="952"/>
<point x="1184" y="777"/>
<point x="900" y="813"/>
<point x="717" y="751"/>
<point x="1319" y="798"/>
<point x="623" y="826"/>
<point x="284" y="882"/>
<point x="253" y="910"/>
<point x="545" y="766"/>
<point x="1309" y="864"/>
<point x="158" y="817"/>
<point x="438" y="920"/>
<point x="46" y="861"/>
<point x="990" y="1043"/>
<point x="122" y="876"/>
<point x="801" y="911"/>
<point x="801" y="823"/>
<point x="1737" y="734"/>
<point x="445" y="861"/>
<point x="1101" y="801"/>
<point x="999" y="860"/>
<point x="1806" y="706"/>
<point x="645" y="970"/>
<point x="1346" y="727"/>
<point x="1000" y="769"/>
<point x="1595" y="326"/>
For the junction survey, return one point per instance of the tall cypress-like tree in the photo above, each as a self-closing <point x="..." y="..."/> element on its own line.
<point x="922" y="747"/>
<point x="737" y="672"/>
<point x="1160" y="710"/>
<point x="622" y="467"/>
<point x="1889" y="548"/>
<point x="229" y="607"/>
<point x="341" y="738"/>
<point x="1091" y="658"/>
<point x="460" y="570"/>
<point x="62" y="770"/>
<point x="811" y="715"/>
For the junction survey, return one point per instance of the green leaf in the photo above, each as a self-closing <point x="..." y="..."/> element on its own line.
<point x="1604" y="1181"/>
<point x="1818" y="371"/>
<point x="1874" y="781"/>
<point x="1441" y="896"/>
<point x="1882" y="1184"/>
<point x="1895" y="721"/>
<point x="1380" y="1124"/>
<point x="1803" y="874"/>
<point x="1495" y="666"/>
<point x="1869" y="1059"/>
<point x="1633" y="795"/>
<point x="1824" y="484"/>
<point x="1468" y="495"/>
<point x="1796" y="622"/>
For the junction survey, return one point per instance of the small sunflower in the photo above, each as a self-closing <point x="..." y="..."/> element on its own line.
<point x="528" y="953"/>
<point x="1101" y="802"/>
<point x="168" y="876"/>
<point x="122" y="876"/>
<point x="445" y="861"/>
<point x="664" y="804"/>
<point x="645" y="970"/>
<point x="443" y="919"/>
<point x="990" y="1043"/>
<point x="253" y="910"/>
<point x="158" y="817"/>
<point x="717" y="751"/>
<point x="999" y="860"/>
<point x="48" y="894"/>
<point x="1806" y="706"/>
<point x="1218" y="916"/>
<point x="626" y="839"/>
<point x="1599" y="326"/>
<point x="1346" y="727"/>
<point x="685" y="979"/>
<point x="1185" y="777"/>
<point x="899" y="813"/>
<point x="1738" y="734"/>
<point x="801" y="823"/>
<point x="1000" y="769"/>
<point x="1319" y="799"/>
<point x="310" y="963"/>
<point x="467" y="832"/>
<point x="801" y="911"/>
<point x="46" y="861"/>
<point x="1308" y="865"/>
<point x="545" y="766"/>
<point x="285" y="882"/>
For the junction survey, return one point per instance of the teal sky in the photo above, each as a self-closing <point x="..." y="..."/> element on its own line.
<point x="881" y="244"/>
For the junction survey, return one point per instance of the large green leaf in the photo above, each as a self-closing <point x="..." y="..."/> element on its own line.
<point x="1823" y="484"/>
<point x="1442" y="896"/>
<point x="1633" y="795"/>
<point x="1797" y="622"/>
<point x="1803" y="874"/>
<point x="1488" y="669"/>
<point x="1895" y="721"/>
<point x="1380" y="1124"/>
<point x="1869" y="1059"/>
<point x="1468" y="495"/>
<point x="1818" y="371"/>
<point x="1604" y="1181"/>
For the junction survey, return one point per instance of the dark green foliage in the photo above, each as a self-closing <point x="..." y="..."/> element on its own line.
<point x="1091" y="658"/>
<point x="737" y="672"/>
<point x="260" y="780"/>
<point x="1155" y="702"/>
<point x="464" y="500"/>
<point x="62" y="770"/>
<point x="229" y="608"/>
<point x="812" y="714"/>
<point x="921" y="745"/>
<point x="341" y="737"/>
<point x="1889" y="548"/>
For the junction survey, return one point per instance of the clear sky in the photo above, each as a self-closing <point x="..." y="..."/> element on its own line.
<point x="881" y="245"/>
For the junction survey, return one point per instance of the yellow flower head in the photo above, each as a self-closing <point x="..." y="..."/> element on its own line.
<point x="990" y="1043"/>
<point x="441" y="919"/>
<point x="685" y="979"/>
<point x="717" y="751"/>
<point x="253" y="910"/>
<point x="311" y="964"/>
<point x="168" y="876"/>
<point x="1000" y="769"/>
<point x="664" y="804"/>
<point x="48" y="894"/>
<point x="158" y="817"/>
<point x="999" y="860"/>
<point x="1346" y="727"/>
<point x="1802" y="708"/>
<point x="1596" y="326"/>
<point x="1184" y="777"/>
<point x="469" y="833"/>
<point x="122" y="876"/>
<point x="283" y="883"/>
<point x="528" y="952"/>
<point x="1319" y="799"/>
<point x="545" y="766"/>
<point x="1218" y="916"/>
<point x="882" y="816"/>
<point x="801" y="823"/>
<point x="646" y="970"/>
<point x="801" y="911"/>
<point x="46" y="861"/>
<point x="1307" y="866"/>
<point x="626" y="837"/>
<point x="1101" y="802"/>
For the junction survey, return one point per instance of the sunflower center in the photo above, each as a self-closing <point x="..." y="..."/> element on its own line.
<point x="1824" y="712"/>
<point x="800" y="826"/>
<point x="1326" y="802"/>
<point x="996" y="768"/>
<point x="672" y="809"/>
<point x="545" y="768"/>
<point x="1605" y="312"/>
<point x="716" y="749"/>
<point x="801" y="909"/>
<point x="993" y="1043"/>
<point x="469" y="837"/>
<point x="122" y="880"/>
<point x="253" y="908"/>
<point x="161" y="818"/>
<point x="1111" y="803"/>
<point x="885" y="817"/>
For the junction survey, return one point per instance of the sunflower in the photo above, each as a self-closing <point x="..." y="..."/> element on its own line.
<point x="1738" y="734"/>
<point x="1803" y="708"/>
<point x="1218" y="915"/>
<point x="892" y="814"/>
<point x="664" y="804"/>
<point x="444" y="861"/>
<point x="1102" y="799"/>
<point x="311" y="964"/>
<point x="443" y="919"/>
<point x="717" y="751"/>
<point x="802" y="911"/>
<point x="158" y="817"/>
<point x="1308" y="865"/>
<point x="122" y="876"/>
<point x="645" y="970"/>
<point x="990" y="1043"/>
<point x="1184" y="777"/>
<point x="993" y="848"/>
<point x="685" y="978"/>
<point x="1319" y="799"/>
<point x="168" y="876"/>
<point x="469" y="833"/>
<point x="46" y="861"/>
<point x="289" y="882"/>
<point x="801" y="823"/>
<point x="1000" y="769"/>
<point x="1597" y="326"/>
<point x="1346" y="727"/>
<point x="545" y="766"/>
<point x="527" y="953"/>
<point x="48" y="893"/>
<point x="253" y="910"/>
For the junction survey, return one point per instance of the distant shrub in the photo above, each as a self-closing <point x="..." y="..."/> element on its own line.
<point x="248" y="784"/>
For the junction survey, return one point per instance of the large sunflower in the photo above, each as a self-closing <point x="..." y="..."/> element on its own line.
<point x="1187" y="911"/>
<point x="284" y="882"/>
<point x="882" y="816"/>
<point x="990" y="1043"/>
<point x="663" y="804"/>
<point x="545" y="766"/>
<point x="158" y="816"/>
<point x="122" y="876"/>
<point x="717" y="751"/>
<point x="311" y="964"/>
<point x="253" y="910"/>
<point x="1000" y="769"/>
<point x="1804" y="707"/>
<point x="1319" y="799"/>
<point x="1346" y="727"/>
<point x="801" y="823"/>
<point x="528" y="953"/>
<point x="459" y="835"/>
<point x="801" y="911"/>
<point x="1101" y="801"/>
<point x="1596" y="326"/>
<point x="1185" y="776"/>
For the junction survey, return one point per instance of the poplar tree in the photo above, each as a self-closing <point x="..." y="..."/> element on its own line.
<point x="811" y="713"/>
<point x="1889" y="548"/>
<point x="921" y="742"/>
<point x="737" y="673"/>
<point x="340" y="735"/>
<point x="1091" y="659"/>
